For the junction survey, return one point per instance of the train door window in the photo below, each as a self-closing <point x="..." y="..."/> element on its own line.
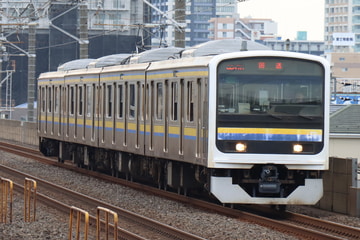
<point x="59" y="109"/>
<point x="190" y="102"/>
<point x="120" y="96"/>
<point x="57" y="100"/>
<point x="150" y="111"/>
<point x="67" y="109"/>
<point x="81" y="100"/>
<point x="142" y="99"/>
<point x="72" y="100"/>
<point x="198" y="117"/>
<point x="43" y="99"/>
<point x="109" y="100"/>
<point x="166" y="115"/>
<point x="93" y="109"/>
<point x="49" y="100"/>
<point x="147" y="105"/>
<point x="89" y="100"/>
<point x="103" y="111"/>
<point x="174" y="101"/>
<point x="132" y="101"/>
<point x="114" y="110"/>
<point x="159" y="101"/>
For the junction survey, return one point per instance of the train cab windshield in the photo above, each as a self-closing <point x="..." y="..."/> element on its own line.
<point x="271" y="93"/>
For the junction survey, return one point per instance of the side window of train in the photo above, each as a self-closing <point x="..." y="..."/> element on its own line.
<point x="190" y="101"/>
<point x="142" y="100"/>
<point x="49" y="99"/>
<point x="109" y="100"/>
<point x="57" y="99"/>
<point x="132" y="99"/>
<point x="120" y="104"/>
<point x="81" y="100"/>
<point x="72" y="100"/>
<point x="159" y="101"/>
<point x="43" y="98"/>
<point x="89" y="100"/>
<point x="174" y="101"/>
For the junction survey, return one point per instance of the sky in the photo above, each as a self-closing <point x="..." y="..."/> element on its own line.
<point x="291" y="15"/>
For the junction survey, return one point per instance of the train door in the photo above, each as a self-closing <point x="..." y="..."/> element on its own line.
<point x="134" y="122"/>
<point x="141" y="117"/>
<point x="65" y="113"/>
<point x="119" y="116"/>
<point x="42" y="110"/>
<point x="49" y="111"/>
<point x="192" y="121"/>
<point x="80" y="120"/>
<point x="175" y="117"/>
<point x="149" y="119"/>
<point x="107" y="132"/>
<point x="57" y="112"/>
<point x="157" y="138"/>
<point x="90" y="114"/>
<point x="71" y="120"/>
<point x="102" y="120"/>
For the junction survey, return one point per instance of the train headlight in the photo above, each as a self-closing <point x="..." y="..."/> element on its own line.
<point x="240" y="147"/>
<point x="298" y="148"/>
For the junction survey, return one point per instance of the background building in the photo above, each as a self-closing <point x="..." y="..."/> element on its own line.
<point x="45" y="34"/>
<point x="345" y="82"/>
<point x="342" y="26"/>
<point x="197" y="16"/>
<point x="244" y="28"/>
<point x="301" y="46"/>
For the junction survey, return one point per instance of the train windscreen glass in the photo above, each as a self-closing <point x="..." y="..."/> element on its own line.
<point x="270" y="99"/>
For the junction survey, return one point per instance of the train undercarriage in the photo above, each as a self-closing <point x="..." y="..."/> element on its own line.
<point x="255" y="185"/>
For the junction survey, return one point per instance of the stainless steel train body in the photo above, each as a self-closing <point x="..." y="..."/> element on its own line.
<point x="230" y="124"/>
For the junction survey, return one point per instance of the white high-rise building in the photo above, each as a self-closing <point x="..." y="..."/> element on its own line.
<point x="342" y="25"/>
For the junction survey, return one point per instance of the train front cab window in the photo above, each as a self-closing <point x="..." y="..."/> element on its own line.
<point x="254" y="101"/>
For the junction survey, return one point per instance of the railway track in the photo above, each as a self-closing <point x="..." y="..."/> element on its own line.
<point x="294" y="224"/>
<point x="133" y="226"/>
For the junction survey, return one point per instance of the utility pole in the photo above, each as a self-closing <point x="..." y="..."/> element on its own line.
<point x="180" y="16"/>
<point x="180" y="6"/>
<point x="31" y="71"/>
<point x="83" y="31"/>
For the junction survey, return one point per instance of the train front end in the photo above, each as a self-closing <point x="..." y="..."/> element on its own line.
<point x="268" y="127"/>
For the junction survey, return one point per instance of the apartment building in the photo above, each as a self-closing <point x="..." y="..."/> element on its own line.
<point x="342" y="26"/>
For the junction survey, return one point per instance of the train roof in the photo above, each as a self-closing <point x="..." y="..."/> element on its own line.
<point x="209" y="48"/>
<point x="157" y="54"/>
<point x="75" y="64"/>
<point x="110" y="60"/>
<point x="222" y="46"/>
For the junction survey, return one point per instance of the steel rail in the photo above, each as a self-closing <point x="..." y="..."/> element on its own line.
<point x="279" y="225"/>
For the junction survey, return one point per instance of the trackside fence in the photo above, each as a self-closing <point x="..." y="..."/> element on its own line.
<point x="81" y="219"/>
<point x="19" y="131"/>
<point x="30" y="187"/>
<point x="108" y="213"/>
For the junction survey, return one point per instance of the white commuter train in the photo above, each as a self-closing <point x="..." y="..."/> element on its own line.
<point x="249" y="127"/>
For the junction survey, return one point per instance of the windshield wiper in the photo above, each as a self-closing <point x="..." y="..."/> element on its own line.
<point x="306" y="117"/>
<point x="275" y="116"/>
